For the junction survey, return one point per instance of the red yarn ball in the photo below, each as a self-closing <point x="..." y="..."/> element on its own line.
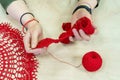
<point x="92" y="61"/>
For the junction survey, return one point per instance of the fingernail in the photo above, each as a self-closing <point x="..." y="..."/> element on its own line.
<point x="34" y="45"/>
<point x="71" y="39"/>
<point x="73" y="29"/>
<point x="80" y="30"/>
<point x="28" y="50"/>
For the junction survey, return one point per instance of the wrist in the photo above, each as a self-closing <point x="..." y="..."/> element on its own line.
<point x="90" y="3"/>
<point x="83" y="7"/>
<point x="27" y="20"/>
<point x="32" y="24"/>
<point x="83" y="13"/>
<point x="25" y="17"/>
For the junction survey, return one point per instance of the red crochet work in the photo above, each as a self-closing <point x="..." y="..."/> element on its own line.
<point x="92" y="61"/>
<point x="83" y="23"/>
<point x="15" y="62"/>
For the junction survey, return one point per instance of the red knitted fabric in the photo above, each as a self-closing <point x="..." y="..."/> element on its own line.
<point x="66" y="26"/>
<point x="92" y="61"/>
<point x="15" y="62"/>
<point x="83" y="23"/>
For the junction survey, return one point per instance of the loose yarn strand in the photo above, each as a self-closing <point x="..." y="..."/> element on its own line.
<point x="62" y="61"/>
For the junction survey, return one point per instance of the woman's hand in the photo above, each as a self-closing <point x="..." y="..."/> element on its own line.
<point x="32" y="37"/>
<point x="81" y="35"/>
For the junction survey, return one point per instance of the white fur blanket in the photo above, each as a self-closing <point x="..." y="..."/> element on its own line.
<point x="51" y="14"/>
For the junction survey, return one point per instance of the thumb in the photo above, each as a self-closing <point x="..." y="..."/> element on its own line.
<point x="73" y="21"/>
<point x="34" y="40"/>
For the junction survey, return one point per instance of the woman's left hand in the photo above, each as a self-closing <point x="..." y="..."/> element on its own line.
<point x="81" y="35"/>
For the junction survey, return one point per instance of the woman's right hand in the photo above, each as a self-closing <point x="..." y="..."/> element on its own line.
<point x="32" y="37"/>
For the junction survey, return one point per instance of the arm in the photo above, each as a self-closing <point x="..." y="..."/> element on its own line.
<point x="19" y="11"/>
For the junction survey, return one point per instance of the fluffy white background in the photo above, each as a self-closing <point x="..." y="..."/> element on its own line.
<point x="51" y="14"/>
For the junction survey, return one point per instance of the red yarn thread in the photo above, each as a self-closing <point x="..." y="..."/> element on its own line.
<point x="92" y="61"/>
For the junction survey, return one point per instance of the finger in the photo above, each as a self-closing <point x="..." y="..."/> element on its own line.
<point x="40" y="36"/>
<point x="26" y="41"/>
<point x="73" y="21"/>
<point x="44" y="50"/>
<point x="35" y="51"/>
<point x="34" y="39"/>
<point x="76" y="34"/>
<point x="94" y="26"/>
<point x="83" y="35"/>
<point x="71" y="39"/>
<point x="38" y="51"/>
<point x="95" y="29"/>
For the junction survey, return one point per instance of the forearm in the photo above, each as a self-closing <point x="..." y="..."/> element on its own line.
<point x="90" y="3"/>
<point x="17" y="8"/>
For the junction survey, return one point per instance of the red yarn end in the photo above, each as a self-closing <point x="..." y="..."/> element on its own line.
<point x="92" y="61"/>
<point x="66" y="26"/>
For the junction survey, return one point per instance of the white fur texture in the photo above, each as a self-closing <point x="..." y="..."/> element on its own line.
<point x="51" y="14"/>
